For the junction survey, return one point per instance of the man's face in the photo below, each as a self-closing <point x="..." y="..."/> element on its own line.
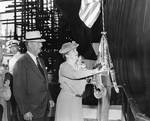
<point x="35" y="47"/>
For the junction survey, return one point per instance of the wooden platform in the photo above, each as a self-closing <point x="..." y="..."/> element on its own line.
<point x="90" y="113"/>
<point x="115" y="113"/>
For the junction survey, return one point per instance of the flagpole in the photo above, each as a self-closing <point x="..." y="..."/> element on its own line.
<point x="105" y="61"/>
<point x="102" y="2"/>
<point x="104" y="41"/>
<point x="99" y="107"/>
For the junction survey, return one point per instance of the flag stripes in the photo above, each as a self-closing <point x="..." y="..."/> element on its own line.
<point x="89" y="11"/>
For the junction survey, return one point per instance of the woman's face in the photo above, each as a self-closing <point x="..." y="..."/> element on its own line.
<point x="73" y="54"/>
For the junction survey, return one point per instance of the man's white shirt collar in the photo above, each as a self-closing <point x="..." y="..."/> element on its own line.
<point x="33" y="57"/>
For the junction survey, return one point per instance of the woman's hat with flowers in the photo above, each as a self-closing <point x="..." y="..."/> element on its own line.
<point x="66" y="47"/>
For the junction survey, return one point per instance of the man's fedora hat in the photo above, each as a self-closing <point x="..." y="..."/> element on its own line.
<point x="66" y="47"/>
<point x="34" y="36"/>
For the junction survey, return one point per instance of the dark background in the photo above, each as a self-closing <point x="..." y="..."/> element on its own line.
<point x="127" y="23"/>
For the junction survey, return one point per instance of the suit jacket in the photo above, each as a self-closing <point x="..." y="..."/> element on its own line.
<point x="30" y="87"/>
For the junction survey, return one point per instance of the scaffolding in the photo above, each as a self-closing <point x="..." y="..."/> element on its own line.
<point x="30" y="15"/>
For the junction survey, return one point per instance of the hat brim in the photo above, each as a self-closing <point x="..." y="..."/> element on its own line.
<point x="36" y="40"/>
<point x="63" y="51"/>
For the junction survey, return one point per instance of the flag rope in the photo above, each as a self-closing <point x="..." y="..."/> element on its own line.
<point x="104" y="55"/>
<point x="103" y="17"/>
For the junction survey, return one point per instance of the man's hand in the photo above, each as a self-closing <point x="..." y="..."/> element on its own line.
<point x="28" y="116"/>
<point x="51" y="103"/>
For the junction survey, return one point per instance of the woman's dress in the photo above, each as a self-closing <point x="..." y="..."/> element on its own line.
<point x="69" y="101"/>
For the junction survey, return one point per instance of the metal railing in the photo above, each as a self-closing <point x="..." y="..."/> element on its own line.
<point x="130" y="108"/>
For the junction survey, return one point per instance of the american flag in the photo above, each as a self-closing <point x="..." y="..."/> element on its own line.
<point x="89" y="11"/>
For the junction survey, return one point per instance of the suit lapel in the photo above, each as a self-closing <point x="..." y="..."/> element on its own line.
<point x="43" y="67"/>
<point x="45" y="72"/>
<point x="33" y="66"/>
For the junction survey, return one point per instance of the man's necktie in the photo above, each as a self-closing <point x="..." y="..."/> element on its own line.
<point x="40" y="67"/>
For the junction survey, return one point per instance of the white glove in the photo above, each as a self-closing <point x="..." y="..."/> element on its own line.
<point x="116" y="87"/>
<point x="28" y="116"/>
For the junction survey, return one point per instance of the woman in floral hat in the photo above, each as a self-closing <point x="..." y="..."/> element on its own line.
<point x="72" y="79"/>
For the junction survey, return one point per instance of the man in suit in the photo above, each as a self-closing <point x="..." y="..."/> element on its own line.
<point x="31" y="82"/>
